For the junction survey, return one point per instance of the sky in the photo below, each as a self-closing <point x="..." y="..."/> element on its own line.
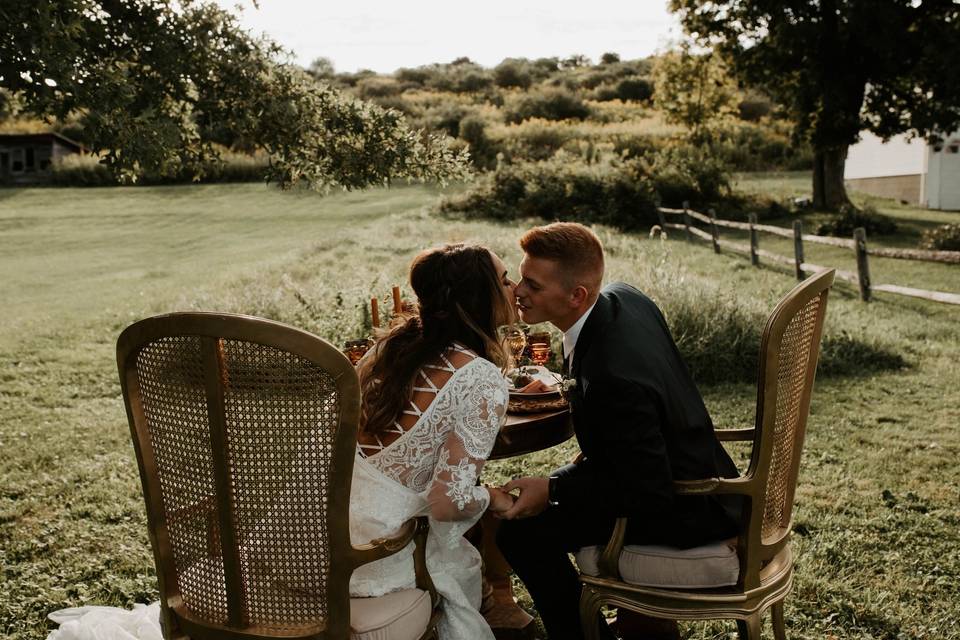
<point x="386" y="35"/>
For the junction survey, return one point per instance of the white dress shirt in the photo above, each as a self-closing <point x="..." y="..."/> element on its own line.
<point x="571" y="335"/>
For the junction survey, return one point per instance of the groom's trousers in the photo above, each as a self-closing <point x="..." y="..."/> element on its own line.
<point x="537" y="549"/>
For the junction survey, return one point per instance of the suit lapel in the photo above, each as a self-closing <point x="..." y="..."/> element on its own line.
<point x="601" y="315"/>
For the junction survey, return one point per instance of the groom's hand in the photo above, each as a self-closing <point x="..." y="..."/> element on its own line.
<point x="534" y="494"/>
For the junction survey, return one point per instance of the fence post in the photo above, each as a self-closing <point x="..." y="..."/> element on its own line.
<point x="714" y="230"/>
<point x="863" y="267"/>
<point x="754" y="258"/>
<point x="663" y="223"/>
<point x="686" y="220"/>
<point x="798" y="248"/>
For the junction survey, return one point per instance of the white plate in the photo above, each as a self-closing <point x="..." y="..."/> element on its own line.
<point x="537" y="373"/>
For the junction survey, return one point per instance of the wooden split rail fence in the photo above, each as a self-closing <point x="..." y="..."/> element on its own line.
<point x="858" y="245"/>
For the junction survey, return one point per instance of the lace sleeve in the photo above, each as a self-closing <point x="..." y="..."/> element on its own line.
<point x="476" y="413"/>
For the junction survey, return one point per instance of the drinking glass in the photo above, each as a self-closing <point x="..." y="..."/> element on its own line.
<point x="355" y="349"/>
<point x="515" y="340"/>
<point x="540" y="353"/>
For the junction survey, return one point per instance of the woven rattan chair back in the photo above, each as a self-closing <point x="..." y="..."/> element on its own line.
<point x="244" y="431"/>
<point x="789" y="350"/>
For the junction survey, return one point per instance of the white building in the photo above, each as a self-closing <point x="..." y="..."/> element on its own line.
<point x="908" y="170"/>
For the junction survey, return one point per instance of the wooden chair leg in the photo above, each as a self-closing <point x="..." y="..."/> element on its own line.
<point x="749" y="629"/>
<point x="779" y="629"/>
<point x="590" y="603"/>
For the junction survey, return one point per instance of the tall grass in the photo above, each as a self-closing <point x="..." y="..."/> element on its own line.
<point x="876" y="536"/>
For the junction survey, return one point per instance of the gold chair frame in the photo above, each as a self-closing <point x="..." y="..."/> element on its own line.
<point x="788" y="360"/>
<point x="207" y="335"/>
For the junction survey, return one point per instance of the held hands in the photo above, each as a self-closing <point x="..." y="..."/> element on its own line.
<point x="500" y="501"/>
<point x="533" y="498"/>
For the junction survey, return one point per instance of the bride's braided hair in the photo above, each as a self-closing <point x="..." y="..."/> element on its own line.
<point x="459" y="299"/>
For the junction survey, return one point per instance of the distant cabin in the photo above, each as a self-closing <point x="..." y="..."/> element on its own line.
<point x="26" y="158"/>
<point x="909" y="170"/>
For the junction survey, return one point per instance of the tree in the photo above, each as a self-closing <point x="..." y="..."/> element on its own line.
<point x="157" y="82"/>
<point x="841" y="67"/>
<point x="610" y="58"/>
<point x="693" y="90"/>
<point x="322" y="68"/>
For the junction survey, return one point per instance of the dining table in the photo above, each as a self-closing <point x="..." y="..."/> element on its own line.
<point x="521" y="434"/>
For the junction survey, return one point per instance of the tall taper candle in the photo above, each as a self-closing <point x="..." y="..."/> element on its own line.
<point x="375" y="312"/>
<point x="397" y="308"/>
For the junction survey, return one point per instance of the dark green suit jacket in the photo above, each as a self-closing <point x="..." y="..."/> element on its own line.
<point x="641" y="424"/>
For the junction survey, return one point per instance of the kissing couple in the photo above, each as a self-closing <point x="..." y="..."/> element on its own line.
<point x="435" y="397"/>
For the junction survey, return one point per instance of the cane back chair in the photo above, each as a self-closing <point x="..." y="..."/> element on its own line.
<point x="245" y="434"/>
<point x="789" y="350"/>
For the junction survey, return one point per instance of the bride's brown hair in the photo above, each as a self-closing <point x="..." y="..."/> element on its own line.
<point x="459" y="299"/>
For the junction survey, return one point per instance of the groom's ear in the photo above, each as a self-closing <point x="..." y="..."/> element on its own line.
<point x="578" y="296"/>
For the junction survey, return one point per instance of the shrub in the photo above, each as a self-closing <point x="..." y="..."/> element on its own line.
<point x="634" y="89"/>
<point x="559" y="190"/>
<point x="683" y="172"/>
<point x="377" y="87"/>
<point x="535" y="140"/>
<point x="447" y="119"/>
<point x="512" y="73"/>
<point x="81" y="171"/>
<point x="473" y="81"/>
<point x="753" y="108"/>
<point x="637" y="145"/>
<point x="86" y="171"/>
<point x="483" y="151"/>
<point x="943" y="238"/>
<point x="419" y="76"/>
<point x="605" y="93"/>
<point x="850" y="218"/>
<point x="763" y="146"/>
<point x="549" y="104"/>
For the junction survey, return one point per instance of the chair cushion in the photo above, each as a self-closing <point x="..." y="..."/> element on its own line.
<point x="401" y="615"/>
<point x="712" y="565"/>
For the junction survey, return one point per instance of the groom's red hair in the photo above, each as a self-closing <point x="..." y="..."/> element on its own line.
<point x="575" y="248"/>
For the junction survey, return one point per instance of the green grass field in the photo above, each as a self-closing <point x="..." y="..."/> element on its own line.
<point x="878" y="509"/>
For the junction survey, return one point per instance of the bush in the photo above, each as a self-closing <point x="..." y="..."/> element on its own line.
<point x="943" y="238"/>
<point x="683" y="172"/>
<point x="483" y="151"/>
<point x="558" y="190"/>
<point x="512" y="73"/>
<point x="549" y="104"/>
<point x="634" y="89"/>
<point x="377" y="87"/>
<point x="86" y="171"/>
<point x="535" y="140"/>
<point x="81" y="171"/>
<point x="850" y="218"/>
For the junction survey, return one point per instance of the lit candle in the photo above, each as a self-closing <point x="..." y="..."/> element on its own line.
<point x="396" y="301"/>
<point x="375" y="312"/>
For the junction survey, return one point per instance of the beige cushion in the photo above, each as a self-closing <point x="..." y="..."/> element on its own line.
<point x="401" y="615"/>
<point x="712" y="565"/>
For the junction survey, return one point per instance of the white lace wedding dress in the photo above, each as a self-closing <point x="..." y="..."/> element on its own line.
<point x="431" y="468"/>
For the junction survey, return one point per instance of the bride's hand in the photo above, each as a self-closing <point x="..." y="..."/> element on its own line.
<point x="500" y="501"/>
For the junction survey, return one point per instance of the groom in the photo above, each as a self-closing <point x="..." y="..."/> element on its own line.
<point x="638" y="417"/>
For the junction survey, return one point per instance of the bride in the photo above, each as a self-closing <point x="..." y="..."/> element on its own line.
<point x="433" y="402"/>
<point x="434" y="399"/>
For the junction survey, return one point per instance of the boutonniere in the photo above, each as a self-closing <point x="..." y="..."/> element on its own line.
<point x="565" y="385"/>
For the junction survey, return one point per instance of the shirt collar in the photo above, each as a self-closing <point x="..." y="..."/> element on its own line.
<point x="571" y="335"/>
